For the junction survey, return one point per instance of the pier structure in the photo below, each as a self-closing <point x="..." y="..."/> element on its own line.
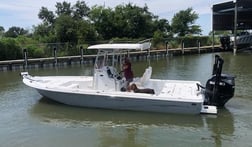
<point x="26" y="63"/>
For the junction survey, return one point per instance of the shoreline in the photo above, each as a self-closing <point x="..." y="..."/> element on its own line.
<point x="22" y="64"/>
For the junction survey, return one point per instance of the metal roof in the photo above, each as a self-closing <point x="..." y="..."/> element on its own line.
<point x="223" y="15"/>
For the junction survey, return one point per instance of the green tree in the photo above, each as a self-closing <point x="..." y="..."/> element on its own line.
<point x="163" y="27"/>
<point x="63" y="8"/>
<point x="102" y="19"/>
<point x="80" y="10"/>
<point x="47" y="16"/>
<point x="44" y="33"/>
<point x="157" y="38"/>
<point x="133" y="21"/>
<point x="66" y="29"/>
<point x="86" y="32"/>
<point x="9" y="49"/>
<point x="128" y="21"/>
<point x="15" y="32"/>
<point x="183" y="22"/>
<point x="79" y="24"/>
<point x="68" y="24"/>
<point x="1" y="31"/>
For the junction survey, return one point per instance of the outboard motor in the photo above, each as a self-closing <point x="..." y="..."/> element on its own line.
<point x="220" y="87"/>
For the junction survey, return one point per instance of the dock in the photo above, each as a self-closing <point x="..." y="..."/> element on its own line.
<point x="22" y="64"/>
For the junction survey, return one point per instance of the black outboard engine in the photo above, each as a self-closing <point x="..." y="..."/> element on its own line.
<point x="220" y="88"/>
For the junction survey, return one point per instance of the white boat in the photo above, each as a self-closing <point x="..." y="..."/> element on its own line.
<point x="106" y="88"/>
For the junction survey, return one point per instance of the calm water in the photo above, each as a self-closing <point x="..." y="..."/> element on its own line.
<point x="28" y="120"/>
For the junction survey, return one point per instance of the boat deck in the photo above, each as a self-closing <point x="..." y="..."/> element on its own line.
<point x="165" y="89"/>
<point x="178" y="90"/>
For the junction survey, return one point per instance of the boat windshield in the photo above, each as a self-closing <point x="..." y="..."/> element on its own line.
<point x="112" y="54"/>
<point x="109" y="58"/>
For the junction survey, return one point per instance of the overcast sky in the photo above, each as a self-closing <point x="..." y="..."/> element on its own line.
<point x="24" y="13"/>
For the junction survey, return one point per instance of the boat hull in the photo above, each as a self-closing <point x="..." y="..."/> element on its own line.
<point x="122" y="103"/>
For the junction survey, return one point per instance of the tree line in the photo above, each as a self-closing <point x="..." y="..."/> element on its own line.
<point x="71" y="26"/>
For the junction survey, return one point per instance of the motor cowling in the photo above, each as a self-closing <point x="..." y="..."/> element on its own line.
<point x="220" y="87"/>
<point x="219" y="93"/>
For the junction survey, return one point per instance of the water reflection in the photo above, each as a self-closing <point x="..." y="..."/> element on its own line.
<point x="220" y="126"/>
<point x="130" y="128"/>
<point x="48" y="111"/>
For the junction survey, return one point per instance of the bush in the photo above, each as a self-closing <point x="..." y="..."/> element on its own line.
<point x="158" y="39"/>
<point x="38" y="53"/>
<point x="192" y="41"/>
<point x="9" y="49"/>
<point x="173" y="44"/>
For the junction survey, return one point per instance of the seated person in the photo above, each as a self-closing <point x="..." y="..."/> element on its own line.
<point x="137" y="90"/>
<point x="128" y="73"/>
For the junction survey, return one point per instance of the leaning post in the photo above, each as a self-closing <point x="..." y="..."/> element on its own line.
<point x="182" y="47"/>
<point x="55" y="55"/>
<point x="25" y="59"/>
<point x="166" y="47"/>
<point x="198" y="46"/>
<point x="148" y="53"/>
<point x="81" y="50"/>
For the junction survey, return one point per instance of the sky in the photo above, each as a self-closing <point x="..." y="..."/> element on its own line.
<point x="24" y="13"/>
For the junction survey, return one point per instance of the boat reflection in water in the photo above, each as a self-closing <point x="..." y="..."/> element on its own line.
<point x="222" y="125"/>
<point x="126" y="127"/>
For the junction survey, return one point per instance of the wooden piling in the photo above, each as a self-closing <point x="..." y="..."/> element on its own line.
<point x="90" y="59"/>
